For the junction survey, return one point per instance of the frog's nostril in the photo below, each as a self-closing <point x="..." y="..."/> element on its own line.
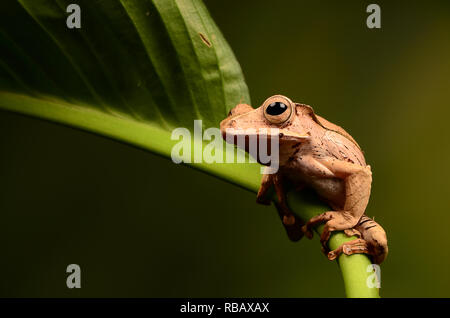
<point x="230" y="113"/>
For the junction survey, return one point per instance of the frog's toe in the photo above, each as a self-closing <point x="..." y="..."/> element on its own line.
<point x="332" y="255"/>
<point x="288" y="219"/>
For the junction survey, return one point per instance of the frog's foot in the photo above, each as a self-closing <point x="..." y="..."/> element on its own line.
<point x="349" y="233"/>
<point x="334" y="221"/>
<point x="357" y="246"/>
<point x="321" y="218"/>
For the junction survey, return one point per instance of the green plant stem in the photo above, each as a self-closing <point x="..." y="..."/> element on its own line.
<point x="354" y="267"/>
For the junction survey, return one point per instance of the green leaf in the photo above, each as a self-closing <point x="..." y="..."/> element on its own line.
<point x="135" y="70"/>
<point x="160" y="62"/>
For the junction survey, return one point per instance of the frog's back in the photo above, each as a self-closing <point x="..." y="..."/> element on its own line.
<point x="330" y="126"/>
<point x="340" y="144"/>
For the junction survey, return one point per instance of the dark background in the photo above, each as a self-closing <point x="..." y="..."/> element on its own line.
<point x="138" y="225"/>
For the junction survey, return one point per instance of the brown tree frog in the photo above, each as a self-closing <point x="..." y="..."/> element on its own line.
<point x="318" y="154"/>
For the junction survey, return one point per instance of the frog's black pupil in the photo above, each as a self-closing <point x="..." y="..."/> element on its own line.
<point x="276" y="108"/>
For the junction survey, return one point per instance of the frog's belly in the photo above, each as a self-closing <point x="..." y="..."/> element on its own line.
<point x="332" y="190"/>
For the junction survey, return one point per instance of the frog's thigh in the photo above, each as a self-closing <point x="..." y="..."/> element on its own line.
<point x="357" y="188"/>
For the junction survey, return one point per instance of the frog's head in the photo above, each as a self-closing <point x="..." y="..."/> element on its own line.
<point x="294" y="122"/>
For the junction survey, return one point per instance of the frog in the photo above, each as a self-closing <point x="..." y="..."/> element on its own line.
<point x="313" y="153"/>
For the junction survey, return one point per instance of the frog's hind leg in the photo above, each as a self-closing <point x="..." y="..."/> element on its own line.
<point x="371" y="240"/>
<point x="357" y="180"/>
<point x="375" y="237"/>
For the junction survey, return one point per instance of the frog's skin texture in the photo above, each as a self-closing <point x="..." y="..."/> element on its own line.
<point x="314" y="153"/>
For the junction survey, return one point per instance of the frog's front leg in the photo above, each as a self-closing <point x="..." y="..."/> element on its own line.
<point x="291" y="223"/>
<point x="357" y="180"/>
<point x="263" y="193"/>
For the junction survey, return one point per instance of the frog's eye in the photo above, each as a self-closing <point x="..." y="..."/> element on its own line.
<point x="277" y="109"/>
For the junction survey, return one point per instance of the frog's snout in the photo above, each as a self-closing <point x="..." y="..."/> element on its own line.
<point x="229" y="122"/>
<point x="240" y="109"/>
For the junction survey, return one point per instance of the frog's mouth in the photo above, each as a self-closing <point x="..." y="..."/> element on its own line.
<point x="282" y="135"/>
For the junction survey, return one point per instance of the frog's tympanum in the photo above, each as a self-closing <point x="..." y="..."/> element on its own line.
<point x="318" y="154"/>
